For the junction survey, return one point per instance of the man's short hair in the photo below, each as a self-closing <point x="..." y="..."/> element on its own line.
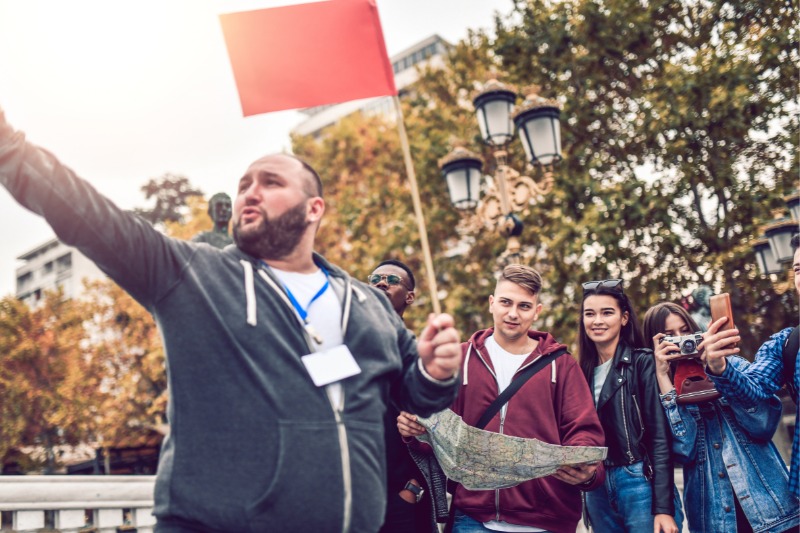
<point x="316" y="186"/>
<point x="524" y="276"/>
<point x="402" y="265"/>
<point x="796" y="241"/>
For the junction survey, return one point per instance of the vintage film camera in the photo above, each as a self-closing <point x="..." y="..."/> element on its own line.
<point x="687" y="343"/>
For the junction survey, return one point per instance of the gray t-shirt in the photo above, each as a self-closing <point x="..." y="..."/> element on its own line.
<point x="600" y="375"/>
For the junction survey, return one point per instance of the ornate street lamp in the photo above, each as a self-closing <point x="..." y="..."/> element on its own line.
<point x="538" y="122"/>
<point x="774" y="249"/>
<point x="494" y="105"/>
<point x="462" y="172"/>
<point x="539" y="126"/>
<point x="780" y="233"/>
<point x="764" y="257"/>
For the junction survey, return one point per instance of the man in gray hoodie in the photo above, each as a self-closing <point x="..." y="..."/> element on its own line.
<point x="280" y="365"/>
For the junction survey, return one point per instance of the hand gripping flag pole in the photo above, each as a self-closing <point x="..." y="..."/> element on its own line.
<point x="314" y="54"/>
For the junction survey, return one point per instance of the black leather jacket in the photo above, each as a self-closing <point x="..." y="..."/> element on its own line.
<point x="634" y="422"/>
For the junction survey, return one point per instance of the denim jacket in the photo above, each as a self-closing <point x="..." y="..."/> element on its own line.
<point x="726" y="451"/>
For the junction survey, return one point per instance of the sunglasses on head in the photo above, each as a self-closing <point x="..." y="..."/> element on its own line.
<point x="591" y="286"/>
<point x="391" y="280"/>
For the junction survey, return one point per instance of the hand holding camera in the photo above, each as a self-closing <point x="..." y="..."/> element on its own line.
<point x="664" y="351"/>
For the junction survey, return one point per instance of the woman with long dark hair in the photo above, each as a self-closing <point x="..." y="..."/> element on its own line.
<point x="639" y="493"/>
<point x="734" y="479"/>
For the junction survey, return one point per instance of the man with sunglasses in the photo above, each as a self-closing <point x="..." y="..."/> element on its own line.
<point x="408" y="501"/>
<point x="395" y="279"/>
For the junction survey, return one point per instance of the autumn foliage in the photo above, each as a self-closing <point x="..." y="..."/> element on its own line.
<point x="679" y="135"/>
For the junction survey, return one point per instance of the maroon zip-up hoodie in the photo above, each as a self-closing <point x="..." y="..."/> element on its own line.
<point x="554" y="406"/>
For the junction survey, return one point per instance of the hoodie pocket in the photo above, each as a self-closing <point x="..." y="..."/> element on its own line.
<point x="306" y="490"/>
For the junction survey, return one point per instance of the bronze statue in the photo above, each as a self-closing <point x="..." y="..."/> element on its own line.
<point x="702" y="302"/>
<point x="219" y="209"/>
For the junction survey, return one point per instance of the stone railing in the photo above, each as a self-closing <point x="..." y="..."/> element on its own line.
<point x="105" y="504"/>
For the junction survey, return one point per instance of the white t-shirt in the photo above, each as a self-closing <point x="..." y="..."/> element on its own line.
<point x="505" y="366"/>
<point x="325" y="313"/>
<point x="600" y="375"/>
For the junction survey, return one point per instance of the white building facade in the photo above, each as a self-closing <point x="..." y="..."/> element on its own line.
<point x="431" y="52"/>
<point x="51" y="266"/>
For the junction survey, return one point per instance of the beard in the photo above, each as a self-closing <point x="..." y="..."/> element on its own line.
<point x="274" y="238"/>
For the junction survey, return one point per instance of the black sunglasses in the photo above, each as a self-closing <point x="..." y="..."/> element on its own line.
<point x="391" y="279"/>
<point x="590" y="286"/>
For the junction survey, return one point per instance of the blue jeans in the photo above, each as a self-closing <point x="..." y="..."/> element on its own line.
<point x="465" y="524"/>
<point x="622" y="504"/>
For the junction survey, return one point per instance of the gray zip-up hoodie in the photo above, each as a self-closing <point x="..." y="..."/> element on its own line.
<point x="254" y="445"/>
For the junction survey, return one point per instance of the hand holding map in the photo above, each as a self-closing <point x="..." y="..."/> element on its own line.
<point x="483" y="460"/>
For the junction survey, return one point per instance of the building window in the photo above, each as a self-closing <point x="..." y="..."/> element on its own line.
<point x="6" y="519"/>
<point x="64" y="263"/>
<point x="24" y="280"/>
<point x="49" y="519"/>
<point x="48" y="268"/>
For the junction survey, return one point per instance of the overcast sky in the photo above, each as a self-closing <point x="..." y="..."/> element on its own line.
<point x="125" y="91"/>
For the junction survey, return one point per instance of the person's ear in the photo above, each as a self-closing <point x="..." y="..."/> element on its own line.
<point x="410" y="297"/>
<point x="315" y="209"/>
<point x="491" y="302"/>
<point x="538" y="309"/>
<point x="625" y="317"/>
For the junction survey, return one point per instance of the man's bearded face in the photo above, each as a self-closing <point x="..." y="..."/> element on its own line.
<point x="273" y="238"/>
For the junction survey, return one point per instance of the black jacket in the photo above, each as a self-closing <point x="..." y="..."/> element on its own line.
<point x="634" y="422"/>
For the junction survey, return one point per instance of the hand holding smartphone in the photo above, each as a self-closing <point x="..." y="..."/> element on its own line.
<point x="721" y="307"/>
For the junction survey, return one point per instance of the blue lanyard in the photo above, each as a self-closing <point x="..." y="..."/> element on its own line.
<point x="299" y="308"/>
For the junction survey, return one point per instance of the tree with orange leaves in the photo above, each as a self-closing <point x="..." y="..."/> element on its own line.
<point x="49" y="385"/>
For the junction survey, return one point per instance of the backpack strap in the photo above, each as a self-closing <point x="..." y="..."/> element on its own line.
<point x="790" y="348"/>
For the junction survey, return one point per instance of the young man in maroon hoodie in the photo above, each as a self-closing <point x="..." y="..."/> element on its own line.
<point x="554" y="406"/>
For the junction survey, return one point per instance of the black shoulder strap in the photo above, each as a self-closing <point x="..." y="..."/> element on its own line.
<point x="790" y="348"/>
<point x="495" y="407"/>
<point x="516" y="384"/>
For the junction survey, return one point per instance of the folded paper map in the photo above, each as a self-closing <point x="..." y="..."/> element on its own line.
<point x="483" y="460"/>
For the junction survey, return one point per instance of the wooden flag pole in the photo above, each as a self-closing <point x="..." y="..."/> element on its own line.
<point x="423" y="232"/>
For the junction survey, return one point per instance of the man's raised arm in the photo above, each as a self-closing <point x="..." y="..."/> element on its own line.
<point x="142" y="261"/>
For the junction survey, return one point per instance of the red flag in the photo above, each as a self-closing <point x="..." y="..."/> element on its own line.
<point x="307" y="55"/>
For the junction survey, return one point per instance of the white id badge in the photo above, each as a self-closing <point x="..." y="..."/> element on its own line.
<point x="331" y="365"/>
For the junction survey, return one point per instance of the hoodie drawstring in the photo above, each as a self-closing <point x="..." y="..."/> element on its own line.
<point x="553" y="379"/>
<point x="466" y="362"/>
<point x="249" y="292"/>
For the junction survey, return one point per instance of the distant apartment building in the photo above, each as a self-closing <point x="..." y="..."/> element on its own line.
<point x="431" y="52"/>
<point x="50" y="266"/>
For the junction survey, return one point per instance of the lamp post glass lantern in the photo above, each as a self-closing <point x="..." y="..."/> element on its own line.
<point x="765" y="258"/>
<point x="780" y="234"/>
<point x="538" y="122"/>
<point x="493" y="106"/>
<point x="462" y="172"/>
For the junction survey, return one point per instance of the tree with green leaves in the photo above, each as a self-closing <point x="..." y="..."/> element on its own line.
<point x="171" y="193"/>
<point x="678" y="142"/>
